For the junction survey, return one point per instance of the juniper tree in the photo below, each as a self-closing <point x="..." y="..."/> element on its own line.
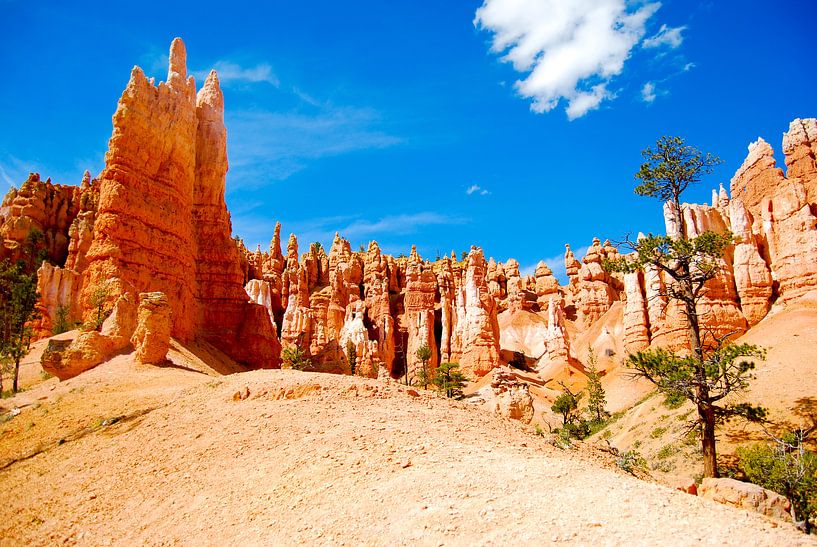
<point x="714" y="368"/>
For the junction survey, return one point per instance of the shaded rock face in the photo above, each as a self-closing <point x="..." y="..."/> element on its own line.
<point x="36" y="218"/>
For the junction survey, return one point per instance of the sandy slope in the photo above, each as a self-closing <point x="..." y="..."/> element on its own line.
<point x="169" y="456"/>
<point x="785" y="383"/>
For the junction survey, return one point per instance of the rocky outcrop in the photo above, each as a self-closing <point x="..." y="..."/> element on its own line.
<point x="753" y="279"/>
<point x="546" y="284"/>
<point x="150" y="168"/>
<point x="151" y="338"/>
<point x="800" y="149"/>
<point x="449" y="281"/>
<point x="780" y="211"/>
<point x="168" y="153"/>
<point x="85" y="352"/>
<point x="636" y="319"/>
<point x="121" y="323"/>
<point x="746" y="495"/>
<point x="418" y="321"/>
<point x="91" y="348"/>
<point x="479" y="327"/>
<point x="506" y="396"/>
<point x="35" y="221"/>
<point x="376" y="282"/>
<point x="594" y="289"/>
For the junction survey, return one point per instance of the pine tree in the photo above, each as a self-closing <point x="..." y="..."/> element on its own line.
<point x="424" y="375"/>
<point x="295" y="358"/>
<point x="351" y="356"/>
<point x="18" y="297"/>
<point x="714" y="368"/>
<point x="596" y="397"/>
<point x="449" y="380"/>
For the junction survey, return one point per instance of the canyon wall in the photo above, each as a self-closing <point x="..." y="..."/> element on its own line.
<point x="155" y="220"/>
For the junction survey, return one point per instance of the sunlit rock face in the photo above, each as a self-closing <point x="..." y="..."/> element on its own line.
<point x="161" y="224"/>
<point x="155" y="221"/>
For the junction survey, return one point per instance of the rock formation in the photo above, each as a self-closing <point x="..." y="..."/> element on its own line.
<point x="780" y="209"/>
<point x="168" y="153"/>
<point x="35" y="219"/>
<point x="418" y="321"/>
<point x="636" y="319"/>
<point x="91" y="348"/>
<point x="151" y="338"/>
<point x="594" y="289"/>
<point x="155" y="221"/>
<point x="746" y="495"/>
<point x="480" y="327"/>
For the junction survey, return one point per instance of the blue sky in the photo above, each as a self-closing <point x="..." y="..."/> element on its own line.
<point x="517" y="127"/>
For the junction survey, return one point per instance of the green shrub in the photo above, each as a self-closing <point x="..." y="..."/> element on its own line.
<point x="630" y="461"/>
<point x="789" y="470"/>
<point x="674" y="400"/>
<point x="666" y="451"/>
<point x="295" y="358"/>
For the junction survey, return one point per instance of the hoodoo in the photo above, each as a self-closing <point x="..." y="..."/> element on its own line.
<point x="155" y="220"/>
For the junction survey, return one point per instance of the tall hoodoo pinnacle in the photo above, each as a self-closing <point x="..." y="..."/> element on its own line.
<point x="210" y="94"/>
<point x="177" y="69"/>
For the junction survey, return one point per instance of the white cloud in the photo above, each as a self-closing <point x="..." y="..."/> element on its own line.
<point x="648" y="92"/>
<point x="666" y="36"/>
<point x="567" y="50"/>
<point x="5" y="176"/>
<point x="230" y="73"/>
<point x="396" y="224"/>
<point x="586" y="101"/>
<point x="477" y="189"/>
<point x="265" y="145"/>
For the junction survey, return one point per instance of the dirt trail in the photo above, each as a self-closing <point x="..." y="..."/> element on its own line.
<point x="319" y="459"/>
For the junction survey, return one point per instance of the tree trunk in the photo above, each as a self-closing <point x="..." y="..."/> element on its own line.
<point x="706" y="414"/>
<point x="16" y="375"/>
